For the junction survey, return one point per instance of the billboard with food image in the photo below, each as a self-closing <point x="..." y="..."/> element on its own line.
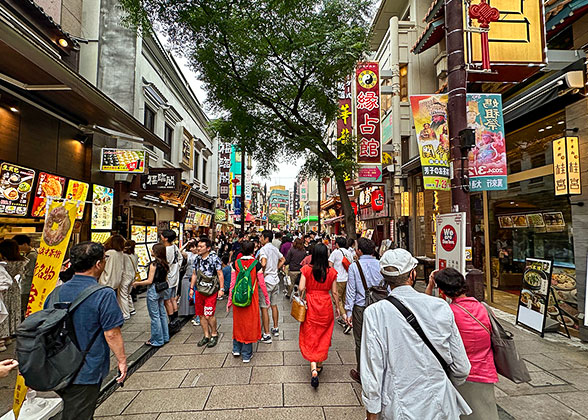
<point x="48" y="186"/>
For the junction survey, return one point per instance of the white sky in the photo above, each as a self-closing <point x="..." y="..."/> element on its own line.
<point x="285" y="175"/>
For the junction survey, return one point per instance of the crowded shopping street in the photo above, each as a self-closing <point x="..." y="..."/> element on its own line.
<point x="309" y="209"/>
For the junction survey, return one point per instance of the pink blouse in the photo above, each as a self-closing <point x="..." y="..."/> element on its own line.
<point x="476" y="339"/>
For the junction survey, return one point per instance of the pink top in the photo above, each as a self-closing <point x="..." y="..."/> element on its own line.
<point x="260" y="281"/>
<point x="475" y="339"/>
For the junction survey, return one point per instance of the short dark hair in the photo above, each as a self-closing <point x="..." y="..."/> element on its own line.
<point x="9" y="250"/>
<point x="85" y="255"/>
<point x="169" y="235"/>
<point x="116" y="242"/>
<point x="225" y="259"/>
<point x="268" y="234"/>
<point x="366" y="246"/>
<point x="247" y="248"/>
<point x="451" y="282"/>
<point x="206" y="240"/>
<point x="130" y="247"/>
<point x="341" y="242"/>
<point x="22" y="239"/>
<point x="241" y="235"/>
<point x="278" y="235"/>
<point x="350" y="242"/>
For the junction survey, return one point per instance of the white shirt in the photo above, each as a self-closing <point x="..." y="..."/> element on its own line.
<point x="337" y="259"/>
<point x="272" y="255"/>
<point x="174" y="259"/>
<point x="401" y="378"/>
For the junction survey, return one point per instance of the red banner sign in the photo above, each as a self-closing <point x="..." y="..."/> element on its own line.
<point x="367" y="102"/>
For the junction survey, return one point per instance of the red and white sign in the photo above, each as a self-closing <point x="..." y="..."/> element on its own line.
<point x="367" y="103"/>
<point x="378" y="200"/>
<point x="451" y="238"/>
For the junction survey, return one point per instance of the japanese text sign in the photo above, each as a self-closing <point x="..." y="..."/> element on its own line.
<point x="161" y="179"/>
<point x="566" y="166"/>
<point x="487" y="160"/>
<point x="16" y="184"/>
<point x="123" y="160"/>
<point x="430" y="121"/>
<point x="367" y="103"/>
<point x="344" y="116"/>
<point x="102" y="207"/>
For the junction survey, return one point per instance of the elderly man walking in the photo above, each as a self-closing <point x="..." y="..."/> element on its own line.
<point x="407" y="373"/>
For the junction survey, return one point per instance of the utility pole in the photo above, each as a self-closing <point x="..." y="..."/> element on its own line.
<point x="456" y="108"/>
<point x="242" y="189"/>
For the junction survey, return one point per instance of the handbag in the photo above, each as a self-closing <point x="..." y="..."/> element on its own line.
<point x="161" y="286"/>
<point x="206" y="285"/>
<point x="411" y="319"/>
<point x="372" y="294"/>
<point x="298" y="310"/>
<point x="506" y="358"/>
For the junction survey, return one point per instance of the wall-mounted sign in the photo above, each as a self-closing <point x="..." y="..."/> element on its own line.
<point x="122" y="160"/>
<point x="102" y="207"/>
<point x="220" y="215"/>
<point x="162" y="179"/>
<point x="378" y="200"/>
<point x="344" y="117"/>
<point x="566" y="166"/>
<point x="405" y="204"/>
<point x="78" y="191"/>
<point x="224" y="167"/>
<point x="47" y="186"/>
<point x="187" y="147"/>
<point x="177" y="198"/>
<point x="367" y="102"/>
<point x="420" y="204"/>
<point x="16" y="185"/>
<point x="451" y="237"/>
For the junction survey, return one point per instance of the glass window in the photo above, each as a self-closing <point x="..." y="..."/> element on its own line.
<point x="149" y="119"/>
<point x="168" y="135"/>
<point x="204" y="163"/>
<point x="196" y="164"/>
<point x="404" y="83"/>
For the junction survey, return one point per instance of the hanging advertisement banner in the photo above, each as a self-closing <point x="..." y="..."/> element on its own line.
<point x="344" y="117"/>
<point x="16" y="186"/>
<point x="487" y="160"/>
<point x="224" y="168"/>
<point x="122" y="160"/>
<point x="430" y="122"/>
<point x="566" y="166"/>
<point x="47" y="186"/>
<point x="78" y="191"/>
<point x="451" y="237"/>
<point x="59" y="221"/>
<point x="367" y="103"/>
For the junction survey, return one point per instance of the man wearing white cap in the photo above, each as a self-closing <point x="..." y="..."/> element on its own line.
<point x="402" y="376"/>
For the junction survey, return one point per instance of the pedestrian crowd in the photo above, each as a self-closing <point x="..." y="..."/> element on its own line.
<point x="417" y="356"/>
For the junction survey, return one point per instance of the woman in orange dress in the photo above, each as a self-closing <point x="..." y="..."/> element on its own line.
<point x="318" y="279"/>
<point x="246" y="320"/>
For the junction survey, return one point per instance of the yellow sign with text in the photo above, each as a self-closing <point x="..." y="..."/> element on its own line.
<point x="59" y="222"/>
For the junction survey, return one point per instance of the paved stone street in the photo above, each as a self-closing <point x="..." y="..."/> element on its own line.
<point x="183" y="381"/>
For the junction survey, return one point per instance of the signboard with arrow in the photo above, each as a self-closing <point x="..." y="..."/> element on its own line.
<point x="370" y="173"/>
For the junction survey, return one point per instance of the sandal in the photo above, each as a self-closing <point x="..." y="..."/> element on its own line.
<point x="319" y="370"/>
<point x="150" y="344"/>
<point x="314" y="380"/>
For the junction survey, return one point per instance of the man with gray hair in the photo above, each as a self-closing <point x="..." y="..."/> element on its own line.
<point x="401" y="376"/>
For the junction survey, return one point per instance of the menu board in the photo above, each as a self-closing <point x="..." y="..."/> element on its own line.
<point x="532" y="301"/>
<point x="99" y="237"/>
<point x="563" y="282"/>
<point x="175" y="226"/>
<point x="47" y="186"/>
<point x="150" y="246"/>
<point x="102" y="207"/>
<point x="535" y="220"/>
<point x="16" y="185"/>
<point x="152" y="235"/>
<point x="138" y="233"/>
<point x="123" y="160"/>
<point x="143" y="254"/>
<point x="78" y="191"/>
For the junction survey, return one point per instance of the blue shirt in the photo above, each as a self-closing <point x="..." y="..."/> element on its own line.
<point x="99" y="312"/>
<point x="355" y="293"/>
<point x="227" y="275"/>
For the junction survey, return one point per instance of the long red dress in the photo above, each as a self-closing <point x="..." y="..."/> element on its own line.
<point x="246" y="321"/>
<point x="316" y="331"/>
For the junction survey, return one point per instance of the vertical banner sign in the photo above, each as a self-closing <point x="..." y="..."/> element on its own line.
<point x="224" y="166"/>
<point x="451" y="236"/>
<point x="59" y="222"/>
<point x="487" y="160"/>
<point x="367" y="103"/>
<point x="566" y="166"/>
<point x="430" y="122"/>
<point x="344" y="117"/>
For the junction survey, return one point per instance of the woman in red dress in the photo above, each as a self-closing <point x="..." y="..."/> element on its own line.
<point x="246" y="321"/>
<point x="318" y="279"/>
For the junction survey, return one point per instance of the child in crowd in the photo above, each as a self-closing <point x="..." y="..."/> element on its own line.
<point x="226" y="275"/>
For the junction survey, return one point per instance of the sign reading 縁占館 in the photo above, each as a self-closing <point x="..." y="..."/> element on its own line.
<point x="451" y="237"/>
<point x="367" y="103"/>
<point x="487" y="160"/>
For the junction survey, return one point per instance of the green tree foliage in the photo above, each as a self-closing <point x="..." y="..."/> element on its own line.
<point x="271" y="69"/>
<point x="277" y="219"/>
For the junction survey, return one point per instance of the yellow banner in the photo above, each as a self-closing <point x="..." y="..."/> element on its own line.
<point x="59" y="222"/>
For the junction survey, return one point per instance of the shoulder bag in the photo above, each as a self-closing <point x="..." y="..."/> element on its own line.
<point x="372" y="294"/>
<point x="411" y="319"/>
<point x="206" y="285"/>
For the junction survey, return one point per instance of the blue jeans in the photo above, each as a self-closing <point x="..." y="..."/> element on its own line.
<point x="246" y="350"/>
<point x="159" y="329"/>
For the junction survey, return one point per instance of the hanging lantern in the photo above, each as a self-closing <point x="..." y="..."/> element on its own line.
<point x="354" y="206"/>
<point x="378" y="200"/>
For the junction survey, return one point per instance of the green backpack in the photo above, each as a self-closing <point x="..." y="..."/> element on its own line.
<point x="243" y="291"/>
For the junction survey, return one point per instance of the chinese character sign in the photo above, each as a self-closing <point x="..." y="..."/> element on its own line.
<point x="566" y="166"/>
<point x="367" y="103"/>
<point x="487" y="160"/>
<point x="224" y="166"/>
<point x="430" y="122"/>
<point x="59" y="222"/>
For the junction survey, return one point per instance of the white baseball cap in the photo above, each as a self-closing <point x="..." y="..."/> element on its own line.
<point x="396" y="262"/>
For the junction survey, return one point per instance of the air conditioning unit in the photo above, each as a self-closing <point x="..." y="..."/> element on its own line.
<point x="575" y="79"/>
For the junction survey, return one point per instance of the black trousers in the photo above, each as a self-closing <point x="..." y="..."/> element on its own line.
<point x="357" y="320"/>
<point x="79" y="401"/>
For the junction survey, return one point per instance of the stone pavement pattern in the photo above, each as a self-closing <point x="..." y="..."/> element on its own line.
<point x="183" y="381"/>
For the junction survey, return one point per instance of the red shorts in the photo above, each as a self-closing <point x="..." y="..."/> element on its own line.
<point x="205" y="305"/>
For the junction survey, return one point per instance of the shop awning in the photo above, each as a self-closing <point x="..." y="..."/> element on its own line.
<point x="308" y="219"/>
<point x="38" y="75"/>
<point x="432" y="35"/>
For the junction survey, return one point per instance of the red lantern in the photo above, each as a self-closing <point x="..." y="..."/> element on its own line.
<point x="378" y="200"/>
<point x="354" y="206"/>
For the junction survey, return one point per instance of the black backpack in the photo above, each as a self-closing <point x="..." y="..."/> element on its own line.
<point x="49" y="356"/>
